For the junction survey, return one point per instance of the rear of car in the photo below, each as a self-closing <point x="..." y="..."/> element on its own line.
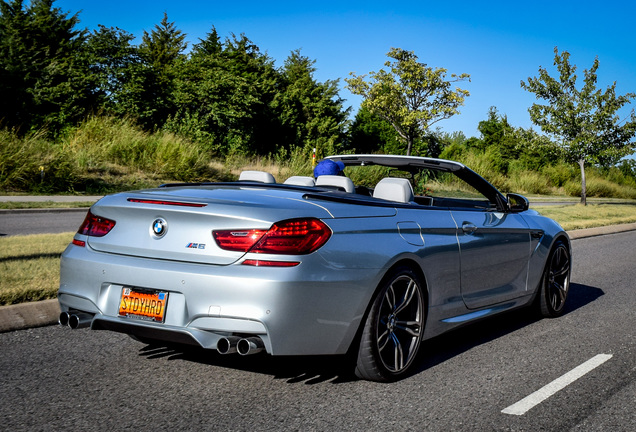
<point x="220" y="267"/>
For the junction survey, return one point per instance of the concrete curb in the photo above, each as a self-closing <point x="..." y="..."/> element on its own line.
<point x="29" y="315"/>
<point x="593" y="232"/>
<point x="47" y="312"/>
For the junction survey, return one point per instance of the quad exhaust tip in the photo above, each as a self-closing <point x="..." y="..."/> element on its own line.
<point x="227" y="345"/>
<point x="244" y="346"/>
<point x="75" y="319"/>
<point x="248" y="346"/>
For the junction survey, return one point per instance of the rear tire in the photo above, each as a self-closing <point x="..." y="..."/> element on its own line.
<point x="555" y="283"/>
<point x="393" y="329"/>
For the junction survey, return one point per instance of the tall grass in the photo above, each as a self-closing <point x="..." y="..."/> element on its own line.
<point x="103" y="140"/>
<point x="32" y="163"/>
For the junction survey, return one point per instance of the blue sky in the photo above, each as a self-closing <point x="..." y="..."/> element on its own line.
<point x="499" y="43"/>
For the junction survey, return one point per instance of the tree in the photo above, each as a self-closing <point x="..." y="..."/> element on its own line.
<point x="369" y="133"/>
<point x="584" y="121"/>
<point x="153" y="78"/>
<point x="311" y="112"/>
<point x="223" y="93"/>
<point x="411" y="96"/>
<point x="111" y="58"/>
<point x="43" y="80"/>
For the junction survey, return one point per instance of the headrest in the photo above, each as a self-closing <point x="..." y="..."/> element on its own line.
<point x="338" y="181"/>
<point x="394" y="189"/>
<point x="300" y="181"/>
<point x="257" y="176"/>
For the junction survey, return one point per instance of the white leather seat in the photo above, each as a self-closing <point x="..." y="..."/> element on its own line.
<point x="257" y="176"/>
<point x="338" y="181"/>
<point x="300" y="181"/>
<point x="394" y="189"/>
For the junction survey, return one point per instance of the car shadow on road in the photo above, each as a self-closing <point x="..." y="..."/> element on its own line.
<point x="451" y="344"/>
<point x="340" y="369"/>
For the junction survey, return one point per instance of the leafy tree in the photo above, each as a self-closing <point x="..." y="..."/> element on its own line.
<point x="311" y="113"/>
<point x="369" y="133"/>
<point x="43" y="80"/>
<point x="111" y="58"/>
<point x="411" y="96"/>
<point x="152" y="79"/>
<point x="163" y="45"/>
<point x="223" y="93"/>
<point x="584" y="120"/>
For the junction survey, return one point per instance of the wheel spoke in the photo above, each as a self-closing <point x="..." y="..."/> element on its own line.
<point x="560" y="291"/>
<point x="383" y="339"/>
<point x="390" y="298"/>
<point x="408" y="296"/>
<point x="558" y="294"/>
<point x="398" y="354"/>
<point x="562" y="270"/>
<point x="411" y="327"/>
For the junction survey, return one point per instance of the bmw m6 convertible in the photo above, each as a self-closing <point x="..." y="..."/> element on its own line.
<point x="314" y="266"/>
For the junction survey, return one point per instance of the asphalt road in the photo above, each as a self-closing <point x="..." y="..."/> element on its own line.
<point x="55" y="378"/>
<point x="24" y="222"/>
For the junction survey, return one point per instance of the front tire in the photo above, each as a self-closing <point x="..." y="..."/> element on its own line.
<point x="393" y="329"/>
<point x="555" y="283"/>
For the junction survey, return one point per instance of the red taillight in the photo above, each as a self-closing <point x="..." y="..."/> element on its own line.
<point x="291" y="237"/>
<point x="95" y="226"/>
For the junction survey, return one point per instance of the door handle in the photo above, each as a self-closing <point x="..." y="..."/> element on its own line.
<point x="469" y="228"/>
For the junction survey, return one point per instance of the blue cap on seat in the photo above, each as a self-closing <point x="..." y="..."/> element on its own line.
<point x="328" y="167"/>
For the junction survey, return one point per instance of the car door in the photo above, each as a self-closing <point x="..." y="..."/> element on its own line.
<point x="494" y="253"/>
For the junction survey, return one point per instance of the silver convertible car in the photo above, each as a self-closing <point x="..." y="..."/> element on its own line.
<point x="314" y="266"/>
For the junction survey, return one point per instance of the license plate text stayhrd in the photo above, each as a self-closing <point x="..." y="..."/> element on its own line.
<point x="150" y="306"/>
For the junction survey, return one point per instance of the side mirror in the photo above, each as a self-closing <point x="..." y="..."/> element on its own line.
<point x="517" y="203"/>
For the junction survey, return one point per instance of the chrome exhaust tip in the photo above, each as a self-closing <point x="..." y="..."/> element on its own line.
<point x="251" y="345"/>
<point x="79" y="320"/>
<point x="64" y="318"/>
<point x="227" y="345"/>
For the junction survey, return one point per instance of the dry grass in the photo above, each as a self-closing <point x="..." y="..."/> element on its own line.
<point x="577" y="216"/>
<point x="15" y="205"/>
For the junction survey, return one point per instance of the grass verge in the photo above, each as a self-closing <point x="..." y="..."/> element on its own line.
<point x="30" y="266"/>
<point x="577" y="216"/>
<point x="18" y="205"/>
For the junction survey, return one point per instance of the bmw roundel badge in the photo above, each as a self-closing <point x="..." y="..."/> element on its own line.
<point x="159" y="227"/>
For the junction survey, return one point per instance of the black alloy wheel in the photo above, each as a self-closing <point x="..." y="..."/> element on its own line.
<point x="393" y="330"/>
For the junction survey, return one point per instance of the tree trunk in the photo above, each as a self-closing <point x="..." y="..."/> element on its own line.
<point x="583" y="185"/>
<point x="409" y="144"/>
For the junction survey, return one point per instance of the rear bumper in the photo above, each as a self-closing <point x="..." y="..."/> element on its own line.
<point x="304" y="310"/>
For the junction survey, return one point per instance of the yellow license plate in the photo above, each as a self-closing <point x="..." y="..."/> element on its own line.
<point x="150" y="306"/>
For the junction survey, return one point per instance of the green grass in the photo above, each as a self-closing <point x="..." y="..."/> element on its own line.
<point x="19" y="205"/>
<point x="577" y="216"/>
<point x="30" y="266"/>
